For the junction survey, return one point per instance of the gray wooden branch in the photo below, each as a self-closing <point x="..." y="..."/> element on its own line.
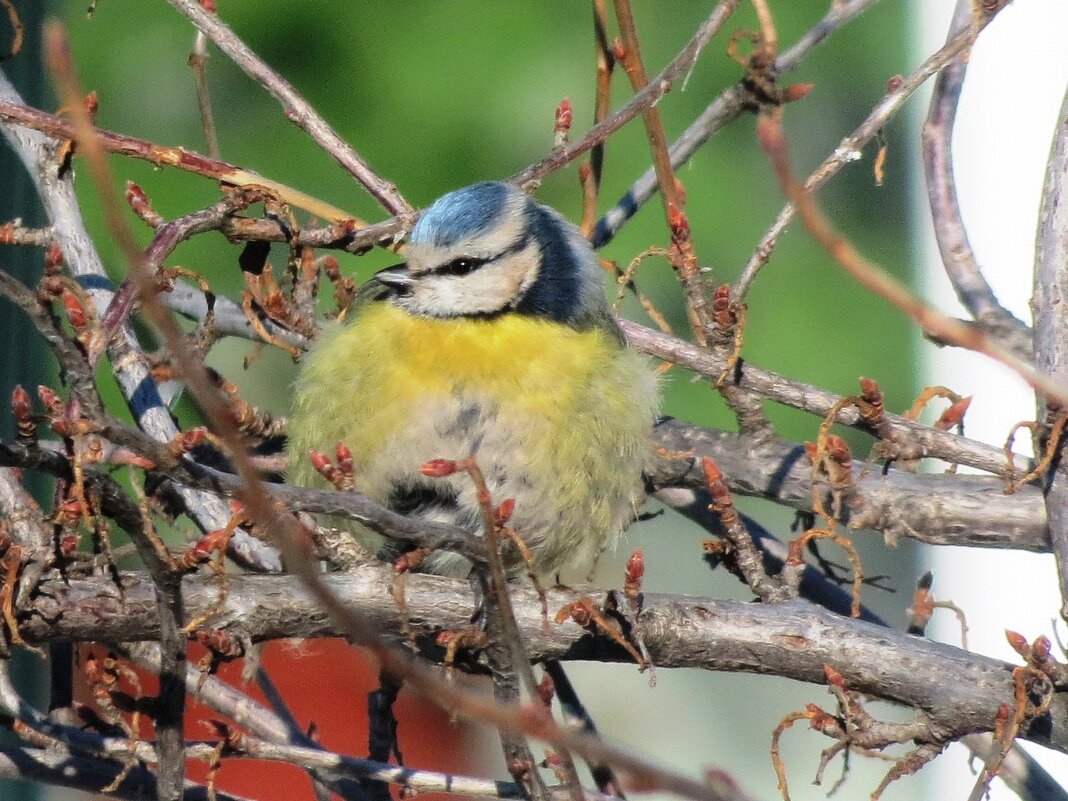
<point x="1049" y="301"/>
<point x="959" y="692"/>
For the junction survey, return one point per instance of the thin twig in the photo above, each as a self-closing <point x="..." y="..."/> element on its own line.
<point x="657" y="88"/>
<point x="177" y="157"/>
<point x="874" y="278"/>
<point x="296" y="108"/>
<point x="684" y="258"/>
<point x="198" y="60"/>
<point x="849" y="148"/>
<point x="722" y="111"/>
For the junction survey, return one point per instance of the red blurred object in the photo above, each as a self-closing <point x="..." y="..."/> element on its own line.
<point x="325" y="683"/>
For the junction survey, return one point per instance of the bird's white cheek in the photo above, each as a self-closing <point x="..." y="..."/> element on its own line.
<point x="489" y="290"/>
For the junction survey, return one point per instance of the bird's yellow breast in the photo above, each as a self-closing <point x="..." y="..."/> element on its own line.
<point x="559" y="416"/>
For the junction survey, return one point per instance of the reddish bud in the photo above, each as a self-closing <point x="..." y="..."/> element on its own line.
<point x="585" y="173"/>
<point x="207" y="545"/>
<point x="53" y="259"/>
<point x="68" y="544"/>
<point x="20" y="403"/>
<point x="722" y="313"/>
<point x="632" y="584"/>
<point x="893" y="83"/>
<point x="1018" y="643"/>
<point x="331" y="268"/>
<point x="503" y="513"/>
<point x="208" y="5"/>
<point x="407" y="562"/>
<point x="75" y="311"/>
<point x="954" y="414"/>
<point x="834" y="678"/>
<point x="1003" y="714"/>
<point x="344" y="459"/>
<point x="1040" y="649"/>
<point x="794" y="93"/>
<point x="141" y="205"/>
<point x="713" y="475"/>
<point x="564" y="117"/>
<point x="70" y="511"/>
<point x="679" y="223"/>
<point x="50" y="399"/>
<point x="869" y="389"/>
<point x="439" y="468"/>
<point x="318" y="461"/>
<point x="635" y="567"/>
<point x="838" y="450"/>
<point x="222" y="644"/>
<point x="188" y="440"/>
<point x="619" y="52"/>
<point x="92" y="104"/>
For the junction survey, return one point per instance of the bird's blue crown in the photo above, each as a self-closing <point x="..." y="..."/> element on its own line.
<point x="461" y="214"/>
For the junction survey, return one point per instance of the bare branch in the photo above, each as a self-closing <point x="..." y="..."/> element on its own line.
<point x="913" y="440"/>
<point x="297" y="109"/>
<point x="722" y="111"/>
<point x="793" y="639"/>
<point x="849" y="148"/>
<point x="13" y="111"/>
<point x="959" y="260"/>
<point x="1051" y="325"/>
<point x="656" y="88"/>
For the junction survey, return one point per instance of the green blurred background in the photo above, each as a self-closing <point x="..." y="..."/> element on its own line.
<point x="441" y="93"/>
<point x="436" y="95"/>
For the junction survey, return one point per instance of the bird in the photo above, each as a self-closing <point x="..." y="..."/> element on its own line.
<point x="493" y="341"/>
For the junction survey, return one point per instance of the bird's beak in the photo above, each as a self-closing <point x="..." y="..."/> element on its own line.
<point x="396" y="276"/>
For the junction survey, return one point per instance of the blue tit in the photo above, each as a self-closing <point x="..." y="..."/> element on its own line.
<point x="495" y="341"/>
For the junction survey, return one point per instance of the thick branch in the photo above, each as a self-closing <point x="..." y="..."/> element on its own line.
<point x="937" y="509"/>
<point x="1051" y="325"/>
<point x="794" y="639"/>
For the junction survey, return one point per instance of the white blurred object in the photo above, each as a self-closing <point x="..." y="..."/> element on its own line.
<point x="1008" y="111"/>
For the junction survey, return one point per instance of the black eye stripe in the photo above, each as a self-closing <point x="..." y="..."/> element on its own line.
<point x="465" y="265"/>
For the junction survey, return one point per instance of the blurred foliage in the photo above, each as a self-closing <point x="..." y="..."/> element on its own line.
<point x="439" y="94"/>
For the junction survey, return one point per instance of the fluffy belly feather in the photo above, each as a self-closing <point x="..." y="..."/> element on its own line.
<point x="556" y="418"/>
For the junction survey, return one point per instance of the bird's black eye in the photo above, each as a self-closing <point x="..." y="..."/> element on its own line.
<point x="464" y="265"/>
